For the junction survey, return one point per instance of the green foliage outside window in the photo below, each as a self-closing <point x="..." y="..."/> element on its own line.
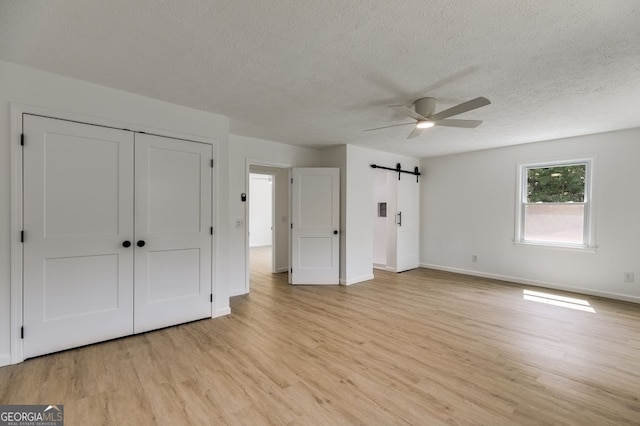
<point x="560" y="184"/>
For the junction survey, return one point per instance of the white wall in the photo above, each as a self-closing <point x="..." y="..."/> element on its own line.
<point x="62" y="95"/>
<point x="244" y="151"/>
<point x="260" y="210"/>
<point x="468" y="207"/>
<point x="380" y="224"/>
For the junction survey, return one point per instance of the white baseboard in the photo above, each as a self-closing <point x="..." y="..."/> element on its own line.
<point x="279" y="270"/>
<point x="5" y="359"/>
<point x="535" y="283"/>
<point x="221" y="312"/>
<point x="384" y="267"/>
<point x="356" y="280"/>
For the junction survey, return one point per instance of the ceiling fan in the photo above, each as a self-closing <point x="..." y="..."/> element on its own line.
<point x="425" y="117"/>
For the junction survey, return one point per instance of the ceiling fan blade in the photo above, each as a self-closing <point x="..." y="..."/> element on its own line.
<point x="416" y="132"/>
<point x="408" y="112"/>
<point x="452" y="122"/>
<point x="386" y="127"/>
<point x="460" y="108"/>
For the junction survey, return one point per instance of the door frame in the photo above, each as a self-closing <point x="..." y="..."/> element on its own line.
<point x="275" y="165"/>
<point x="17" y="111"/>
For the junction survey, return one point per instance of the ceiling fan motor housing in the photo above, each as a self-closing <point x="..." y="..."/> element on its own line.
<point x="425" y="106"/>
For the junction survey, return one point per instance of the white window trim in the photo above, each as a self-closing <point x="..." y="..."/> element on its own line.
<point x="588" y="229"/>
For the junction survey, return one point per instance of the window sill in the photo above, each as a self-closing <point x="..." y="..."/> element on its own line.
<point x="558" y="246"/>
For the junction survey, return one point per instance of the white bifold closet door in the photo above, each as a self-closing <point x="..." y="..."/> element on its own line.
<point x="92" y="195"/>
<point x="173" y="219"/>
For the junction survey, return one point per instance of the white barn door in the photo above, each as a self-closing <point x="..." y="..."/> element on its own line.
<point x="78" y="203"/>
<point x="407" y="223"/>
<point x="315" y="215"/>
<point x="173" y="240"/>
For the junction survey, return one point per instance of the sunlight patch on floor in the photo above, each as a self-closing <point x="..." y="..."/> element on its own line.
<point x="552" y="299"/>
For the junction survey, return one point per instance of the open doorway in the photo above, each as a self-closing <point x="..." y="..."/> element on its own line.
<point x="261" y="210"/>
<point x="261" y="224"/>
<point x="267" y="220"/>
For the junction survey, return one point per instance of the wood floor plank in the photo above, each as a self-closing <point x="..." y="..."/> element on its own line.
<point x="420" y="347"/>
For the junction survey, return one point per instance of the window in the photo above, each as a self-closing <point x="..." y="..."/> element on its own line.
<point x="554" y="204"/>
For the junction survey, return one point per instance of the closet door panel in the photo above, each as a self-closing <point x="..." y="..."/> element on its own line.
<point x="78" y="203"/>
<point x="173" y="181"/>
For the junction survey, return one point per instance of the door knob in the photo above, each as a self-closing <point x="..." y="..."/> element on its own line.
<point x="126" y="244"/>
<point x="140" y="243"/>
<point x="335" y="232"/>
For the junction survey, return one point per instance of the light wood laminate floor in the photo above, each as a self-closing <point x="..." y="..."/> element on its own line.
<point x="422" y="347"/>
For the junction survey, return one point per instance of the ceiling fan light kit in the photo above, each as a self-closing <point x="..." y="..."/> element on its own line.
<point x="424" y="124"/>
<point x="424" y="110"/>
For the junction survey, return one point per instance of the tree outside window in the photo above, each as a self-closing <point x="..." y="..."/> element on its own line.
<point x="562" y="184"/>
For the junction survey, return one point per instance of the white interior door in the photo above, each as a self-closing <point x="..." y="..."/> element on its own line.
<point x="315" y="215"/>
<point x="407" y="224"/>
<point x="173" y="232"/>
<point x="78" y="203"/>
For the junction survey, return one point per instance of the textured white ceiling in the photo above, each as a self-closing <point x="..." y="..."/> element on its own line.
<point x="315" y="73"/>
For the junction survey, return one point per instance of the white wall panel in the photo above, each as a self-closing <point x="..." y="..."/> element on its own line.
<point x="468" y="207"/>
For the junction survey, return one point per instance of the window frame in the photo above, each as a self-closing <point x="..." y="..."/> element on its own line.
<point x="521" y="203"/>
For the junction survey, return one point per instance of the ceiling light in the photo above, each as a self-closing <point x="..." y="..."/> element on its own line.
<point x="424" y="124"/>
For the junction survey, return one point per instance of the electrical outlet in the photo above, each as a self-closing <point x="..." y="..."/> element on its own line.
<point x="239" y="223"/>
<point x="629" y="277"/>
<point x="474" y="258"/>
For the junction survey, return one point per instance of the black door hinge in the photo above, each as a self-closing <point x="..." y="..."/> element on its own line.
<point x="212" y="163"/>
<point x="291" y="180"/>
<point x="292" y="226"/>
<point x="211" y="230"/>
<point x="22" y="139"/>
<point x="22" y="332"/>
<point x="291" y="270"/>
<point x="211" y="298"/>
<point x="22" y="236"/>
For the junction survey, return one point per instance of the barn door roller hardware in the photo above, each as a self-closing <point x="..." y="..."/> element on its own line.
<point x="399" y="170"/>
